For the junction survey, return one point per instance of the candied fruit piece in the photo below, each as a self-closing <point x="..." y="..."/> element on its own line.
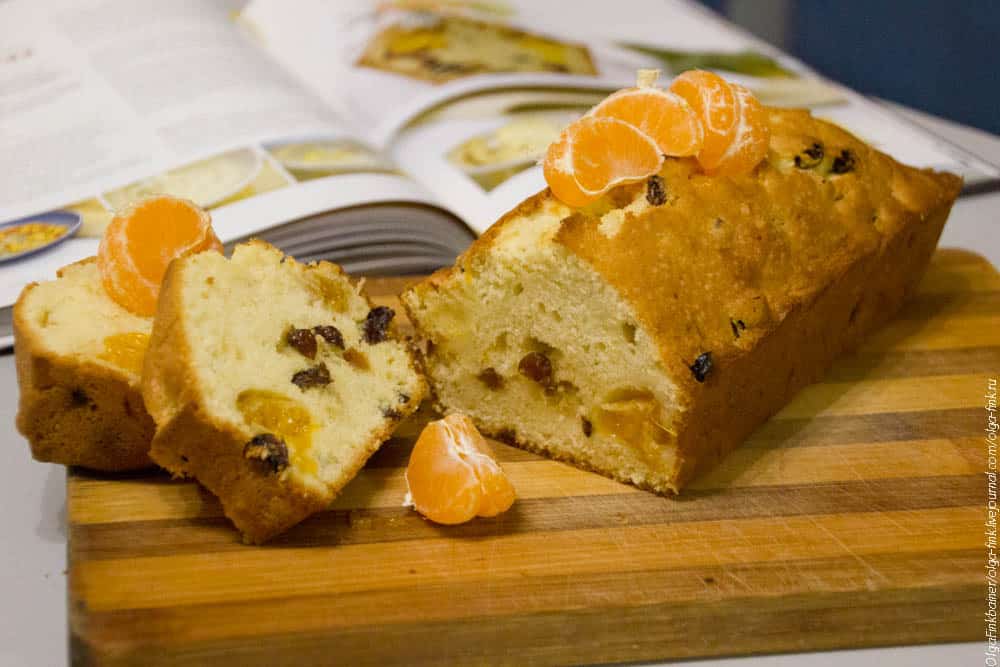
<point x="283" y="417"/>
<point x="126" y="350"/>
<point x="331" y="291"/>
<point x="631" y="415"/>
<point x="356" y="358"/>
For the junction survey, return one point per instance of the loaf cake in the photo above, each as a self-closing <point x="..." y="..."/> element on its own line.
<point x="272" y="382"/>
<point x="79" y="361"/>
<point x="647" y="334"/>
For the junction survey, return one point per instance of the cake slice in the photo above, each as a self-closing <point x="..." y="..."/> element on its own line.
<point x="79" y="360"/>
<point x="647" y="334"/>
<point x="272" y="382"/>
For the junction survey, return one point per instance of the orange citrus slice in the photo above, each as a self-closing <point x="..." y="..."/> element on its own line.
<point x="736" y="125"/>
<point x="751" y="139"/>
<point x="714" y="103"/>
<point x="596" y="153"/>
<point x="453" y="476"/>
<point x="140" y="243"/>
<point x="667" y="118"/>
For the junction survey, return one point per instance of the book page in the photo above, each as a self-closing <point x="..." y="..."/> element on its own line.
<point x="94" y="94"/>
<point x="99" y="106"/>
<point x="466" y="96"/>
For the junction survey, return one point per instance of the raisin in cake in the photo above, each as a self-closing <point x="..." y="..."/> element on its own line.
<point x="79" y="360"/>
<point x="272" y="382"/>
<point x="648" y="334"/>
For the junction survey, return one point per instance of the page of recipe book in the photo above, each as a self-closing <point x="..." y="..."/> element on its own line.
<point x="378" y="134"/>
<point x="430" y="82"/>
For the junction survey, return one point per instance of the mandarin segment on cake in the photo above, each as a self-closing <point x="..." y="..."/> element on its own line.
<point x="665" y="117"/>
<point x="715" y="105"/>
<point x="140" y="243"/>
<point x="272" y="382"/>
<point x="596" y="153"/>
<point x="625" y="138"/>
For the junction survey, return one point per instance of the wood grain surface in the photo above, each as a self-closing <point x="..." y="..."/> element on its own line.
<point x="853" y="518"/>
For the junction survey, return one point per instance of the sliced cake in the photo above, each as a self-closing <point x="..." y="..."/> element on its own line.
<point x="80" y="340"/>
<point x="272" y="382"/>
<point x="79" y="360"/>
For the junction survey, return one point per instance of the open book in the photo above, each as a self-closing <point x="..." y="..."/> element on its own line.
<point x="382" y="135"/>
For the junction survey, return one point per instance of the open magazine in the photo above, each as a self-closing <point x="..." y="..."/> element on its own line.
<point x="382" y="135"/>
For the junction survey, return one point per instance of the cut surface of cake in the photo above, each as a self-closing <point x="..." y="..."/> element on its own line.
<point x="645" y="335"/>
<point x="272" y="382"/>
<point x="79" y="362"/>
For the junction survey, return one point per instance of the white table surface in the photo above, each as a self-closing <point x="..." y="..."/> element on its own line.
<point x="33" y="500"/>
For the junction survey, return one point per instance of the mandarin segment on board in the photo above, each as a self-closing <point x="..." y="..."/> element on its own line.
<point x="140" y="243"/>
<point x="594" y="154"/>
<point x="453" y="476"/>
<point x="665" y="117"/>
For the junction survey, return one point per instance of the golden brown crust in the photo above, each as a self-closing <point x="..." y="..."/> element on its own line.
<point x="75" y="412"/>
<point x="773" y="273"/>
<point x="191" y="442"/>
<point x="753" y="248"/>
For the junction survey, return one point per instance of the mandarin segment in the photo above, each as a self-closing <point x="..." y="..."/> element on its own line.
<point x="608" y="151"/>
<point x="558" y="171"/>
<point x="753" y="135"/>
<point x="594" y="154"/>
<point x="665" y="117"/>
<point x="627" y="136"/>
<point x="498" y="492"/>
<point x="715" y="105"/>
<point x="140" y="243"/>
<point x="443" y="486"/>
<point x="452" y="475"/>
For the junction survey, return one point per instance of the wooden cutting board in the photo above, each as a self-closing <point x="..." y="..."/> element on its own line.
<point x="853" y="518"/>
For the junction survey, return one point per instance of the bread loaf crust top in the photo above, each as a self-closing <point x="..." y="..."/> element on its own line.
<point x="725" y="259"/>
